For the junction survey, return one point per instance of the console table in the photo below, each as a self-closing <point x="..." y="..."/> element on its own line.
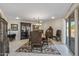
<point x="11" y="37"/>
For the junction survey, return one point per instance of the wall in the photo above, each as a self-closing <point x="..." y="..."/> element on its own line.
<point x="18" y="22"/>
<point x="15" y="32"/>
<point x="56" y="24"/>
<point x="45" y="25"/>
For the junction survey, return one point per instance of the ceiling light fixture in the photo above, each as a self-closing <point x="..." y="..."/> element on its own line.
<point x="53" y="17"/>
<point x="17" y="18"/>
<point x="38" y="22"/>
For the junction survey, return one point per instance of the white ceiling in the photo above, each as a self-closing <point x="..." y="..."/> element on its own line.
<point x="30" y="11"/>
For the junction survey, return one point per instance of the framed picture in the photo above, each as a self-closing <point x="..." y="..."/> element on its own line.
<point x="35" y="27"/>
<point x="14" y="27"/>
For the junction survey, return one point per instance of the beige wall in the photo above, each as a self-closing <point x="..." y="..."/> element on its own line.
<point x="16" y="32"/>
<point x="56" y="24"/>
<point x="17" y="22"/>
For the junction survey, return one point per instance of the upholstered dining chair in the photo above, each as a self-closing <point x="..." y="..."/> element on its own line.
<point x="58" y="35"/>
<point x="36" y="40"/>
<point x="45" y="41"/>
<point x="49" y="33"/>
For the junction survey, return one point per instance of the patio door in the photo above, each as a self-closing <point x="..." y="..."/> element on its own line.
<point x="70" y="34"/>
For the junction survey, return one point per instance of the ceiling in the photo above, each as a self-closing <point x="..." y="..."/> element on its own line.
<point x="32" y="11"/>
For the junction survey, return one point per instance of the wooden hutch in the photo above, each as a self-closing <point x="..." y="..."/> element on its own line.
<point x="4" y="43"/>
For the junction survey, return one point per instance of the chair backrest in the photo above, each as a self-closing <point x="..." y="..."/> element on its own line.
<point x="36" y="37"/>
<point x="49" y="32"/>
<point x="58" y="33"/>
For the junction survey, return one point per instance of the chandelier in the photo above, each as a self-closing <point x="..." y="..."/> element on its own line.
<point x="39" y="22"/>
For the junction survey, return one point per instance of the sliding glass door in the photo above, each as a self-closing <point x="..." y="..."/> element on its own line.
<point x="70" y="34"/>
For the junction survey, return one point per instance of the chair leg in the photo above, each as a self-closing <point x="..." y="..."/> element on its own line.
<point x="41" y="49"/>
<point x="31" y="48"/>
<point x="29" y="42"/>
<point x="57" y="38"/>
<point x="47" y="43"/>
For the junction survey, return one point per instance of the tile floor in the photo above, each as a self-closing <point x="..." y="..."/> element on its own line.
<point x="14" y="45"/>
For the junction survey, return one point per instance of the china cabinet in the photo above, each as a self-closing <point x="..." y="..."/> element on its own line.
<point x="4" y="43"/>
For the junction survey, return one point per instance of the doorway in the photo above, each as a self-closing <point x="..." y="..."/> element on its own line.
<point x="25" y="30"/>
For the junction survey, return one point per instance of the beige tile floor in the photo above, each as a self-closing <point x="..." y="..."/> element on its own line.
<point x="14" y="45"/>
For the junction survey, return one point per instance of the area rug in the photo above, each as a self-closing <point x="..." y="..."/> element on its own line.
<point x="46" y="49"/>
